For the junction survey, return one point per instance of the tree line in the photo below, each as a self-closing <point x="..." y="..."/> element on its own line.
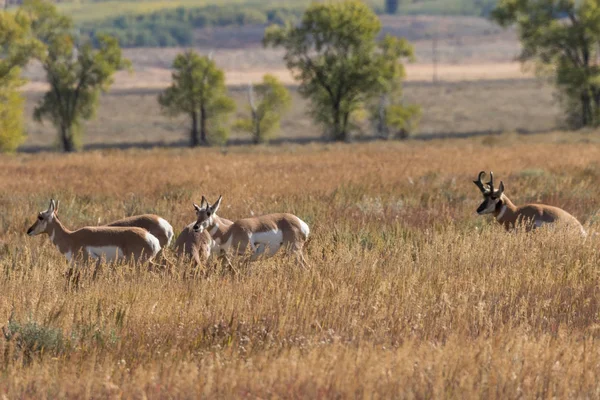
<point x="341" y="66"/>
<point x="175" y="27"/>
<point x="334" y="52"/>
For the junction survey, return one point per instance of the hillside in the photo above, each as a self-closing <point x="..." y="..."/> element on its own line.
<point x="172" y="23"/>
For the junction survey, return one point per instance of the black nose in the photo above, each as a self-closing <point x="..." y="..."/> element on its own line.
<point x="196" y="227"/>
<point x="29" y="230"/>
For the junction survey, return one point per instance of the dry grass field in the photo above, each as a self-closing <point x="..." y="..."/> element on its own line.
<point x="409" y="295"/>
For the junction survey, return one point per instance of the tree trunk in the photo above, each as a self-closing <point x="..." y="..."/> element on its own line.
<point x="585" y="109"/>
<point x="595" y="103"/>
<point x="344" y="132"/>
<point x="255" y="128"/>
<point x="203" y="137"/>
<point x="338" y="133"/>
<point x="194" y="130"/>
<point x="66" y="138"/>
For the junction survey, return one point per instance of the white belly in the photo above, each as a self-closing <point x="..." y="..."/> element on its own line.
<point x="266" y="243"/>
<point x="217" y="247"/>
<point x="109" y="253"/>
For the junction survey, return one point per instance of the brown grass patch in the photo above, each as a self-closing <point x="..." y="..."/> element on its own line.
<point x="410" y="294"/>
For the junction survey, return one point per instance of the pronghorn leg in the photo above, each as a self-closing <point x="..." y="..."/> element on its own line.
<point x="72" y="277"/>
<point x="296" y="250"/>
<point x="301" y="260"/>
<point x="96" y="270"/>
<point x="225" y="257"/>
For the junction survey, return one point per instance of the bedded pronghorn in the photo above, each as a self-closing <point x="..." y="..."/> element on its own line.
<point x="263" y="235"/>
<point x="197" y="245"/>
<point x="154" y="224"/>
<point x="531" y="216"/>
<point x="97" y="242"/>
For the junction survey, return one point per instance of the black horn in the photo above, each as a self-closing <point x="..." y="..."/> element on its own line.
<point x="491" y="182"/>
<point x="479" y="183"/>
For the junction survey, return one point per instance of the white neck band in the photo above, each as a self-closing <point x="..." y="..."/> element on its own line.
<point x="502" y="211"/>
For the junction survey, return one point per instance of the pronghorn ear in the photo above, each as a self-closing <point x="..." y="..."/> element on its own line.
<point x="216" y="206"/>
<point x="52" y="206"/>
<point x="197" y="207"/>
<point x="501" y="188"/>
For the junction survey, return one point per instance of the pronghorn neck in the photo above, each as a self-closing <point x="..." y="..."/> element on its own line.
<point x="59" y="235"/>
<point x="218" y="229"/>
<point x="507" y="212"/>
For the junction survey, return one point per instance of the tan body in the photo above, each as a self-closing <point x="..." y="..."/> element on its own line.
<point x="529" y="216"/>
<point x="196" y="245"/>
<point x="97" y="242"/>
<point x="261" y="236"/>
<point x="245" y="234"/>
<point x="154" y="224"/>
<point x="532" y="216"/>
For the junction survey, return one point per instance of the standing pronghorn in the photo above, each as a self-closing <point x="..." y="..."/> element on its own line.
<point x="531" y="216"/>
<point x="263" y="235"/>
<point x="197" y="245"/>
<point x="154" y="224"/>
<point x="97" y="242"/>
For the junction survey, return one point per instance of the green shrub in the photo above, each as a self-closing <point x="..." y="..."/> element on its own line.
<point x="32" y="339"/>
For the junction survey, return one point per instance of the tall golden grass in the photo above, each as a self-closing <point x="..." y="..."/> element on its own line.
<point x="410" y="294"/>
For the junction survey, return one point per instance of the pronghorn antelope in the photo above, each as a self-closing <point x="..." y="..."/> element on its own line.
<point x="97" y="242"/>
<point x="154" y="224"/>
<point x="531" y="216"/>
<point x="197" y="245"/>
<point x="263" y="235"/>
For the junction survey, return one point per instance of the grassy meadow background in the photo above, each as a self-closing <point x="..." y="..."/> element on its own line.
<point x="410" y="294"/>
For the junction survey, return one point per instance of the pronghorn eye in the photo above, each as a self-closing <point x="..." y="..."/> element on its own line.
<point x="208" y="213"/>
<point x="40" y="217"/>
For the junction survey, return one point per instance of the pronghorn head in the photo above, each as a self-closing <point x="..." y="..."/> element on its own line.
<point x="492" y="198"/>
<point x="44" y="219"/>
<point x="205" y="213"/>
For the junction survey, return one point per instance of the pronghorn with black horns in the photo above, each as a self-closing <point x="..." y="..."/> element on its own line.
<point x="263" y="235"/>
<point x="530" y="216"/>
<point x="96" y="242"/>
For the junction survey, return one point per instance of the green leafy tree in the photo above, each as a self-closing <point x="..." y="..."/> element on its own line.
<point x="199" y="90"/>
<point x="268" y="101"/>
<point x="561" y="38"/>
<point x="390" y="115"/>
<point x="77" y="74"/>
<point x="335" y="55"/>
<point x="17" y="46"/>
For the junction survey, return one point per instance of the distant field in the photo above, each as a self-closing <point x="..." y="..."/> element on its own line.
<point x="449" y="108"/>
<point x="92" y="11"/>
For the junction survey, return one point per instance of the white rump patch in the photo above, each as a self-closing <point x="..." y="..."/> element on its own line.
<point x="167" y="228"/>
<point x="267" y="243"/>
<point x="109" y="253"/>
<point x="153" y="242"/>
<point x="304" y="228"/>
